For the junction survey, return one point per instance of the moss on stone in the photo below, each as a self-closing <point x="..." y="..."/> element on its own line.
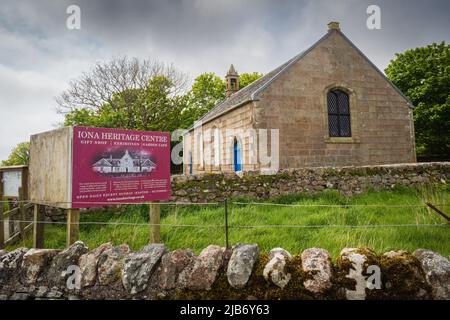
<point x="342" y="268"/>
<point x="257" y="287"/>
<point x="402" y="278"/>
<point x="349" y="181"/>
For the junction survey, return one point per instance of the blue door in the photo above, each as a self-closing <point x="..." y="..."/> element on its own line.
<point x="190" y="162"/>
<point x="237" y="156"/>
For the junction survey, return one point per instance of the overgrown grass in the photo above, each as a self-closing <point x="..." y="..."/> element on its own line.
<point x="332" y="228"/>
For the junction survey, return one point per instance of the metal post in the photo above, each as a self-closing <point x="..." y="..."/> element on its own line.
<point x="226" y="223"/>
<point x="441" y="213"/>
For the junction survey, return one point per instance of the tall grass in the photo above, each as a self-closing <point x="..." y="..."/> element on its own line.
<point x="332" y="228"/>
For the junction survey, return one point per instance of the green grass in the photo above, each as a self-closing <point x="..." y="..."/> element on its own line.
<point x="293" y="239"/>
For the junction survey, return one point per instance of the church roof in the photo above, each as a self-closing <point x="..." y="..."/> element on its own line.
<point x="251" y="92"/>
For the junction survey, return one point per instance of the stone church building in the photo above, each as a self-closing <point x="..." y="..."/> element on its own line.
<point x="330" y="105"/>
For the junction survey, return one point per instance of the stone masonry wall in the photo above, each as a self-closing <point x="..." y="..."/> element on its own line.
<point x="239" y="120"/>
<point x="241" y="272"/>
<point x="382" y="129"/>
<point x="348" y="181"/>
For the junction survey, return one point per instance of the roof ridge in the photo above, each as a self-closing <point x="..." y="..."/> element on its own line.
<point x="264" y="80"/>
<point x="251" y="92"/>
<point x="246" y="88"/>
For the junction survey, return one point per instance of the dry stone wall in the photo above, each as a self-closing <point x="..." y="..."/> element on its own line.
<point x="241" y="272"/>
<point x="346" y="180"/>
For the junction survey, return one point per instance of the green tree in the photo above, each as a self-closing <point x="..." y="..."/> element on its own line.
<point x="20" y="155"/>
<point x="423" y="74"/>
<point x="141" y="95"/>
<point x="149" y="108"/>
<point x="207" y="91"/>
<point x="125" y="93"/>
<point x="246" y="78"/>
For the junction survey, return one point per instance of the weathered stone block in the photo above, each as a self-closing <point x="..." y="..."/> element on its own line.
<point x="241" y="264"/>
<point x="172" y="264"/>
<point x="110" y="264"/>
<point x="88" y="263"/>
<point x="9" y="264"/>
<point x="139" y="267"/>
<point x="275" y="269"/>
<point x="35" y="261"/>
<point x="68" y="257"/>
<point x="317" y="262"/>
<point x="437" y="272"/>
<point x="201" y="274"/>
<point x="402" y="276"/>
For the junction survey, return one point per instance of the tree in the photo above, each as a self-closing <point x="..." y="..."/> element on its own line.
<point x="97" y="87"/>
<point x="20" y="155"/>
<point x="150" y="108"/>
<point x="126" y="93"/>
<point x="207" y="91"/>
<point x="141" y="95"/>
<point x="246" y="78"/>
<point x="423" y="74"/>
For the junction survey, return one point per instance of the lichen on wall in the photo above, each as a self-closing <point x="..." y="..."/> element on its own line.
<point x="347" y="180"/>
<point x="53" y="274"/>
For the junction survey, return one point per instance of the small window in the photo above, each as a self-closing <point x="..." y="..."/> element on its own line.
<point x="233" y="83"/>
<point x="338" y="114"/>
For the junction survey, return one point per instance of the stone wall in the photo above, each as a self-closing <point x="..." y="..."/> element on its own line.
<point x="295" y="103"/>
<point x="238" y="120"/>
<point x="243" y="272"/>
<point x="347" y="180"/>
<point x="382" y="128"/>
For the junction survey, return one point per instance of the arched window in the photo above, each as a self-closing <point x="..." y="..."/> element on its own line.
<point x="338" y="114"/>
<point x="237" y="156"/>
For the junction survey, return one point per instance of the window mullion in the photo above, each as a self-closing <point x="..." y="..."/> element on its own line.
<point x="338" y="116"/>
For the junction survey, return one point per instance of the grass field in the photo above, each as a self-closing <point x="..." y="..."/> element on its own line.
<point x="325" y="227"/>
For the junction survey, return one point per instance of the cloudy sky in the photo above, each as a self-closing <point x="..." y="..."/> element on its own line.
<point x="39" y="55"/>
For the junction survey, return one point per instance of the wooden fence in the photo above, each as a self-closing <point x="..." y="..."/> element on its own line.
<point x="14" y="210"/>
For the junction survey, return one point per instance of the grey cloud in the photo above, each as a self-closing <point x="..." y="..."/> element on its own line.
<point x="38" y="55"/>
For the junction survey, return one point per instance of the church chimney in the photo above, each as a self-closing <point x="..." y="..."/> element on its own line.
<point x="232" y="80"/>
<point x="333" y="26"/>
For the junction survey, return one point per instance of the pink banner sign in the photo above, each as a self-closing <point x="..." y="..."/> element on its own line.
<point x="119" y="166"/>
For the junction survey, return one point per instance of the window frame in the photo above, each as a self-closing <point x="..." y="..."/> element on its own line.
<point x="352" y="98"/>
<point x="339" y="114"/>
